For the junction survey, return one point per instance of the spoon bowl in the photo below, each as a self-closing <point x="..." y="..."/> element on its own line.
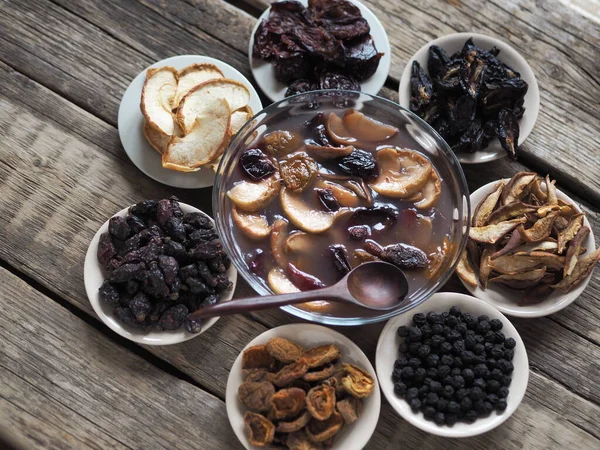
<point x="375" y="285"/>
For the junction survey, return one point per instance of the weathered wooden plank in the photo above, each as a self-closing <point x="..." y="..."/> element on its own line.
<point x="560" y="45"/>
<point x="65" y="385"/>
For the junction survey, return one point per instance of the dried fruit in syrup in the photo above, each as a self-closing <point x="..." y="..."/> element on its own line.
<point x="340" y="258"/>
<point x="320" y="402"/>
<point x="256" y="164"/>
<point x="404" y="256"/>
<point x="284" y="350"/>
<point x="256" y="395"/>
<point x="327" y="199"/>
<point x="359" y="163"/>
<point x="260" y="430"/>
<point x="288" y="402"/>
<point x="298" y="171"/>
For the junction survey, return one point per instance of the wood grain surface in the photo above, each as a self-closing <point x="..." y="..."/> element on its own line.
<point x="63" y="68"/>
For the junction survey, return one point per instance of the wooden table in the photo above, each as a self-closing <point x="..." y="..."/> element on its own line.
<point x="67" y="381"/>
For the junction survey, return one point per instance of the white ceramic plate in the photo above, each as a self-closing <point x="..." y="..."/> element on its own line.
<point x="508" y="55"/>
<point x="506" y="299"/>
<point x="264" y="73"/>
<point x="131" y="122"/>
<point x="94" y="275"/>
<point x="387" y="353"/>
<point x="351" y="437"/>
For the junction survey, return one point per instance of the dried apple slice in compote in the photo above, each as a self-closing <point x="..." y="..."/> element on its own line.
<point x="402" y="173"/>
<point x="157" y="99"/>
<point x="302" y="215"/>
<point x="254" y="196"/>
<point x="279" y="282"/>
<point x="254" y="226"/>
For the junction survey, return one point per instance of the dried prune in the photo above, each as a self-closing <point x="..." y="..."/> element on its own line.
<point x="438" y="59"/>
<point x="154" y="284"/>
<point x="222" y="283"/>
<point x="175" y="230"/>
<point x="145" y="254"/>
<point x="197" y="287"/>
<point x="327" y="199"/>
<point x="169" y="267"/>
<point x="256" y="164"/>
<point x="301" y="86"/>
<point x="471" y="140"/>
<point x="188" y="271"/>
<point x="176" y="250"/>
<point x="376" y="218"/>
<point x="472" y="75"/>
<point x="132" y="286"/>
<point x="421" y="87"/>
<point x="291" y="68"/>
<point x="140" y="306"/>
<point x="338" y="81"/>
<point x="204" y="272"/>
<point x="106" y="249"/>
<point x="359" y="163"/>
<point x="126" y="272"/>
<point x="359" y="232"/>
<point x="109" y="293"/>
<point x="303" y="280"/>
<point x="508" y="132"/>
<point x="218" y="264"/>
<point x="118" y="227"/>
<point x="463" y="112"/>
<point x="340" y="259"/>
<point x="135" y="223"/>
<point x="198" y="220"/>
<point x="154" y="316"/>
<point x="404" y="256"/>
<point x="202" y="235"/>
<point x="126" y="316"/>
<point x="173" y="317"/>
<point x="144" y="208"/>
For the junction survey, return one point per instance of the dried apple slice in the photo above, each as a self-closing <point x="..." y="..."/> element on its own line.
<point x="157" y="140"/>
<point x="279" y="282"/>
<point x="366" y="129"/>
<point x="202" y="98"/>
<point x="209" y="133"/>
<point x="345" y="196"/>
<point x="491" y="234"/>
<point x="565" y="236"/>
<point x="192" y="76"/>
<point x="239" y="119"/>
<point x="279" y="235"/>
<point x="515" y="188"/>
<point x="337" y="130"/>
<point x="430" y="192"/>
<point x="251" y="197"/>
<point x="582" y="269"/>
<point x="485" y="209"/>
<point x="254" y="226"/>
<point x="157" y="99"/>
<point x="302" y="216"/>
<point x="573" y="250"/>
<point x="465" y="271"/>
<point x="321" y="152"/>
<point x="402" y="173"/>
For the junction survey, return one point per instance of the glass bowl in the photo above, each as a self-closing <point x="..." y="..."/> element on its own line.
<point x="415" y="133"/>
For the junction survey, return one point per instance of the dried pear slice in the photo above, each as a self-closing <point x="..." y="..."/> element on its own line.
<point x="357" y="382"/>
<point x="321" y="152"/>
<point x="256" y="395"/>
<point x="536" y="294"/>
<point x="323" y="374"/>
<point x="157" y="140"/>
<point x="192" y="76"/>
<point x="549" y="245"/>
<point x="573" y="250"/>
<point x="366" y="129"/>
<point x="157" y="99"/>
<point x="491" y="234"/>
<point x="321" y="431"/>
<point x="254" y="226"/>
<point x="510" y="211"/>
<point x="251" y="197"/>
<point x="289" y="373"/>
<point x="511" y="264"/>
<point x="284" y="351"/>
<point x="511" y="245"/>
<point x="535" y="189"/>
<point x="540" y="230"/>
<point x="257" y="357"/>
<point x="465" y="271"/>
<point x="203" y="141"/>
<point x="560" y="224"/>
<point x="289" y="427"/>
<point x="430" y="192"/>
<point x="320" y="402"/>
<point x="288" y="402"/>
<point x="565" y="236"/>
<point x="402" y="173"/>
<point x="521" y="280"/>
<point x="203" y="97"/>
<point x="279" y="282"/>
<point x="485" y="209"/>
<point x="350" y="408"/>
<point x="302" y="216"/>
<point x="515" y="188"/>
<point x="319" y="356"/>
<point x="485" y="268"/>
<point x="279" y="235"/>
<point x="582" y="269"/>
<point x="260" y="430"/>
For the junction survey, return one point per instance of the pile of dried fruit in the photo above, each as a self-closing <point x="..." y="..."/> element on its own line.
<point x="470" y="98"/>
<point x="162" y="264"/>
<point x="454" y="366"/>
<point x="299" y="398"/>
<point x="523" y="236"/>
<point x="190" y="115"/>
<point x="324" y="46"/>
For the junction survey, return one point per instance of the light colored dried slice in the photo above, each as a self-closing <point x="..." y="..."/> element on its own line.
<point x="465" y="271"/>
<point x="279" y="282"/>
<point x="297" y="424"/>
<point x="573" y="250"/>
<point x="284" y="350"/>
<point x="430" y="192"/>
<point x="204" y="140"/>
<point x="279" y="235"/>
<point x="288" y="402"/>
<point x="321" y="153"/>
<point x="202" y="98"/>
<point x="357" y="382"/>
<point x="320" y="401"/>
<point x="254" y="226"/>
<point x="289" y="373"/>
<point x="485" y="209"/>
<point x="549" y="245"/>
<point x="485" y="268"/>
<point x="257" y="357"/>
<point x="511" y="264"/>
<point x="326" y="372"/>
<point x="345" y="196"/>
<point x="402" y="173"/>
<point x="157" y="140"/>
<point x="259" y="429"/>
<point x="239" y="119"/>
<point x="254" y="196"/>
<point x="366" y="129"/>
<point x="565" y="236"/>
<point x="582" y="269"/>
<point x="157" y="99"/>
<point x="491" y="234"/>
<point x="521" y="280"/>
<point x="192" y="76"/>
<point x="515" y="188"/>
<point x="535" y="188"/>
<point x="337" y="130"/>
<point x="302" y="215"/>
<point x="540" y="230"/>
<point x="510" y="211"/>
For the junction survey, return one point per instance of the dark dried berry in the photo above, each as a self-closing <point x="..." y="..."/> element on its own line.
<point x="256" y="164"/>
<point x="109" y="293"/>
<point x="400" y="389"/>
<point x="175" y="229"/>
<point x="144" y="208"/>
<point x="118" y="227"/>
<point x="106" y="249"/>
<point x="328" y="199"/>
<point x="154" y="284"/>
<point x="510" y="343"/>
<point x="157" y="310"/>
<point x="188" y="271"/>
<point x="202" y="235"/>
<point x="173" y="317"/>
<point x="164" y="212"/>
<point x="206" y="250"/>
<point x="359" y="163"/>
<point x="135" y="223"/>
<point x="419" y="318"/>
<point x="402" y="331"/>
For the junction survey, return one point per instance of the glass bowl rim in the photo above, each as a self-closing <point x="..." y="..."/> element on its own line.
<point x="350" y="321"/>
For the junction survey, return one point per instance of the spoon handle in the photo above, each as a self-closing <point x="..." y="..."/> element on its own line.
<point x="256" y="303"/>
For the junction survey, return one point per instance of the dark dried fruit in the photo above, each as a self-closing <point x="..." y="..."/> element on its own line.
<point x="106" y="249"/>
<point x="404" y="256"/>
<point x="144" y="208"/>
<point x="508" y="132"/>
<point x="340" y="259"/>
<point x="257" y="357"/>
<point x="126" y="272"/>
<point x="173" y="317"/>
<point x="256" y="164"/>
<point x="302" y="280"/>
<point x="338" y="81"/>
<point x="175" y="229"/>
<point x="154" y="282"/>
<point x="438" y="59"/>
<point x="119" y="228"/>
<point x="140" y="306"/>
<point x="135" y="223"/>
<point x="378" y="218"/>
<point x="301" y="86"/>
<point x="327" y="199"/>
<point x="109" y="293"/>
<point x="421" y="88"/>
<point x="169" y="267"/>
<point x="197" y="220"/>
<point x="359" y="163"/>
<point x="125" y="315"/>
<point x="193" y="324"/>
<point x="260" y="430"/>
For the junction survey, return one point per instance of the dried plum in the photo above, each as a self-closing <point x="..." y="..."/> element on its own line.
<point x="301" y="86"/>
<point x="174" y="228"/>
<point x="109" y="293"/>
<point x="132" y="286"/>
<point x="144" y="208"/>
<point x="164" y="212"/>
<point x="135" y="223"/>
<point x="176" y="250"/>
<point x="508" y="132"/>
<point x="289" y="69"/>
<point x="202" y="235"/>
<point x="438" y="59"/>
<point x="154" y="316"/>
<point x="154" y="284"/>
<point x="106" y="249"/>
<point x="404" y="256"/>
<point x="338" y="81"/>
<point x="340" y="259"/>
<point x="464" y="112"/>
<point x="197" y="287"/>
<point x="377" y="218"/>
<point x="126" y="272"/>
<point x="173" y="317"/>
<point x="193" y="324"/>
<point x="206" y="250"/>
<point x="421" y="87"/>
<point x="327" y="199"/>
<point x="471" y="76"/>
<point x="471" y="140"/>
<point x="188" y="271"/>
<point x="256" y="164"/>
<point x="359" y="163"/>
